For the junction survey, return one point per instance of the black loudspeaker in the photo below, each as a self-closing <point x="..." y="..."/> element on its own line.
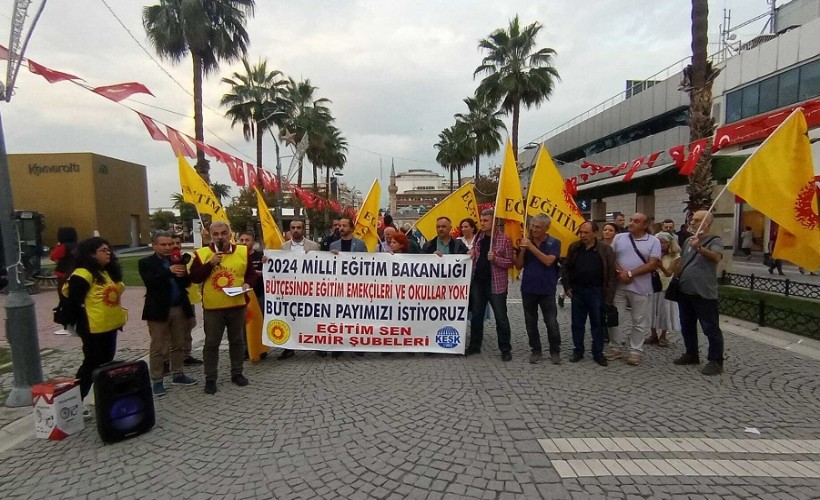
<point x="125" y="403"/>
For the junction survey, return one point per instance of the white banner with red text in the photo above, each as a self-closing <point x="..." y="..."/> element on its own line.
<point x="374" y="302"/>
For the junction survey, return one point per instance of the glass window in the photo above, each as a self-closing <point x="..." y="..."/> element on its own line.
<point x="768" y="94"/>
<point x="748" y="106"/>
<point x="810" y="80"/>
<point x="787" y="88"/>
<point x="733" y="107"/>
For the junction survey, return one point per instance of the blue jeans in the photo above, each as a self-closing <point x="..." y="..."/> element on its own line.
<point x="694" y="309"/>
<point x="532" y="302"/>
<point x="479" y="297"/>
<point x="588" y="302"/>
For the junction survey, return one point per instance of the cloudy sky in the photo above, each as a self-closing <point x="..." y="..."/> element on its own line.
<point x="395" y="71"/>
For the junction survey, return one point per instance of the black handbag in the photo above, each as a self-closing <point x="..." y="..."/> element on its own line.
<point x="610" y="315"/>
<point x="673" y="292"/>
<point x="657" y="286"/>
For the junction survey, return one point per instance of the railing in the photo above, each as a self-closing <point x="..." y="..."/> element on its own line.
<point x="800" y="323"/>
<point x="786" y="287"/>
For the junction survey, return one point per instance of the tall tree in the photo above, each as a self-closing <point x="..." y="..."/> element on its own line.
<point x="308" y="115"/>
<point x="455" y="150"/>
<point x="516" y="72"/>
<point x="257" y="100"/>
<point x="484" y="124"/>
<point x="697" y="82"/>
<point x="210" y="30"/>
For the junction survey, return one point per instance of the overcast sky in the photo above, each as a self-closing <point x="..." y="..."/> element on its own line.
<point x="395" y="71"/>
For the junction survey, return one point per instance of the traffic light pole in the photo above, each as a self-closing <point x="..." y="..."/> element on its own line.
<point x="21" y="321"/>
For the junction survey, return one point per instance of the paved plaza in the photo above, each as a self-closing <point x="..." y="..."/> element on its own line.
<point x="447" y="426"/>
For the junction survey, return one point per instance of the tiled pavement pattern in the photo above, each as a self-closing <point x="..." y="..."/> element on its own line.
<point x="449" y="427"/>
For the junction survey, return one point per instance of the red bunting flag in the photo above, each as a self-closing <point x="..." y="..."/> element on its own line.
<point x="269" y="181"/>
<point x="121" y="91"/>
<point x="615" y="171"/>
<point x="207" y="150"/>
<point x="652" y="158"/>
<point x="335" y="206"/>
<point x="152" y="127"/>
<point x="50" y="75"/>
<point x="695" y="150"/>
<point x="678" y="154"/>
<point x="236" y="168"/>
<point x="4" y="53"/>
<point x="253" y="178"/>
<point x="636" y="164"/>
<point x="178" y="143"/>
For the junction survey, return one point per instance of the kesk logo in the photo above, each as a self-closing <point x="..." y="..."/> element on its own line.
<point x="278" y="331"/>
<point x="448" y="337"/>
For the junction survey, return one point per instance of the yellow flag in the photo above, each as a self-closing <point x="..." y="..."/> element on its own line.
<point x="366" y="226"/>
<point x="196" y="191"/>
<point x="790" y="248"/>
<point x="778" y="180"/>
<point x="509" y="202"/>
<point x="457" y="206"/>
<point x="547" y="195"/>
<point x="254" y="319"/>
<point x="271" y="235"/>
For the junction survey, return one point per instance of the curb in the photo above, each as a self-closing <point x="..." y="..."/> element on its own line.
<point x="796" y="344"/>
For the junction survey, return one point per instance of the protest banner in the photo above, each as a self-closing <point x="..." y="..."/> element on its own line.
<point x="366" y="302"/>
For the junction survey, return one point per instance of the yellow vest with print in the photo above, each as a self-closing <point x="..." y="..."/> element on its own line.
<point x="194" y="289"/>
<point x="102" y="302"/>
<point x="229" y="273"/>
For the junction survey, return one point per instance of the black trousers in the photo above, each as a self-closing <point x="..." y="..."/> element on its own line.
<point x="98" y="349"/>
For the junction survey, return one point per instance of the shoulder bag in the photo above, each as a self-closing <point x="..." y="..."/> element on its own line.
<point x="657" y="286"/>
<point x="673" y="292"/>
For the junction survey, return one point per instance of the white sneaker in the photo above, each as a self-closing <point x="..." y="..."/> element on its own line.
<point x="62" y="331"/>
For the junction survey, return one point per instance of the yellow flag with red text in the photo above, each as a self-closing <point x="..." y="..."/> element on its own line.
<point x="509" y="201"/>
<point x="271" y="235"/>
<point x="366" y="226"/>
<point x="778" y="180"/>
<point x="457" y="206"/>
<point x="197" y="192"/>
<point x="547" y="194"/>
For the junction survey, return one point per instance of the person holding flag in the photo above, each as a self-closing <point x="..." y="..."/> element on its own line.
<point x="492" y="259"/>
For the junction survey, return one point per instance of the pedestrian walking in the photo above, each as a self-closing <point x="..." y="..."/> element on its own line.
<point x="665" y="312"/>
<point x="747" y="239"/>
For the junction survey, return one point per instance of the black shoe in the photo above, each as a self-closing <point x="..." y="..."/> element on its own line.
<point x="210" y="387"/>
<point x="506" y="357"/>
<point x="713" y="368"/>
<point x="602" y="361"/>
<point x="471" y="351"/>
<point x="239" y="380"/>
<point x="287" y="353"/>
<point x="561" y="301"/>
<point x="263" y="355"/>
<point x="771" y="271"/>
<point x="686" y="359"/>
<point x="166" y="369"/>
<point x="555" y="358"/>
<point x="192" y="361"/>
<point x="576" y="357"/>
<point x="321" y="354"/>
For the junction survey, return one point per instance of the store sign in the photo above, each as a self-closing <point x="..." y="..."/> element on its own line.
<point x="66" y="168"/>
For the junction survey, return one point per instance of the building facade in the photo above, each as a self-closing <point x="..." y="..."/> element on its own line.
<point x="762" y="80"/>
<point x="90" y="192"/>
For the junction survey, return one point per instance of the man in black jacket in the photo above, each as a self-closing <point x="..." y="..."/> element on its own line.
<point x="444" y="243"/>
<point x="167" y="310"/>
<point x="589" y="278"/>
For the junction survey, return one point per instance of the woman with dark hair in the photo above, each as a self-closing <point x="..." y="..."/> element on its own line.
<point x="64" y="256"/>
<point x="469" y="230"/>
<point x="608" y="232"/>
<point x="93" y="304"/>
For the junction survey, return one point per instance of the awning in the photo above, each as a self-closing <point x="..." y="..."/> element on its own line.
<point x="656" y="169"/>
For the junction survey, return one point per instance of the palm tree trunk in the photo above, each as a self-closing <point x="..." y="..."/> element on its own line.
<point x="477" y="169"/>
<point x="327" y="182"/>
<point x="458" y="173"/>
<point x="202" y="166"/>
<point x="258" y="147"/>
<point x="299" y="175"/>
<point x="516" y="116"/>
<point x="315" y="178"/>
<point x="451" y="178"/>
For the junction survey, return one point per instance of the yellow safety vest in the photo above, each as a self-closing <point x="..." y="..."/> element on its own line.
<point x="194" y="289"/>
<point x="102" y="302"/>
<point x="229" y="273"/>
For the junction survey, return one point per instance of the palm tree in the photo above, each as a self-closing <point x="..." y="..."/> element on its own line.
<point x="221" y="191"/>
<point x="308" y="114"/>
<point x="455" y="150"/>
<point x="257" y="101"/>
<point x="334" y="155"/>
<point x="210" y="30"/>
<point x="516" y="74"/>
<point x="697" y="81"/>
<point x="483" y="122"/>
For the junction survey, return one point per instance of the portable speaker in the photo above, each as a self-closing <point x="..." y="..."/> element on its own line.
<point x="125" y="403"/>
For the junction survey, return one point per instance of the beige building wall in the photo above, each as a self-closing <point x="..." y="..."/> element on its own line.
<point x="70" y="190"/>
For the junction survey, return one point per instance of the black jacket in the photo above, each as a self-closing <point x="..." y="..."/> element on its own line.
<point x="610" y="275"/>
<point x="157" y="279"/>
<point x="456" y="246"/>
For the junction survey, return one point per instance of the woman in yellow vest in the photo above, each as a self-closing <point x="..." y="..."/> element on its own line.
<point x="94" y="290"/>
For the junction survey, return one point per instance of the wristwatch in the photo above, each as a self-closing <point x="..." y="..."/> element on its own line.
<point x="629" y="273"/>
